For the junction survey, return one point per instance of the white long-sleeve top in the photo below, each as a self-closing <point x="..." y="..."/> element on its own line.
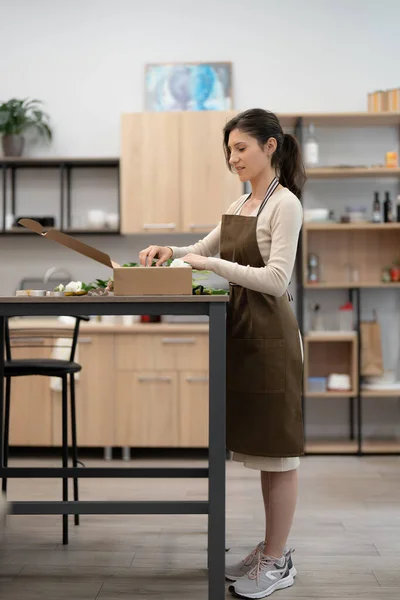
<point x="278" y="229"/>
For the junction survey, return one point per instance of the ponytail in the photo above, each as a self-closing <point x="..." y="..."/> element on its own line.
<point x="291" y="169"/>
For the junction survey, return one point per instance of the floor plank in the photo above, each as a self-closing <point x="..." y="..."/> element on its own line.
<point x="346" y="534"/>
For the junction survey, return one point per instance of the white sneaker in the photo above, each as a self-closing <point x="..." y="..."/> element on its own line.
<point x="267" y="576"/>
<point x="237" y="570"/>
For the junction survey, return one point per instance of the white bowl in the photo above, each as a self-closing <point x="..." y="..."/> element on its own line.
<point x="316" y="214"/>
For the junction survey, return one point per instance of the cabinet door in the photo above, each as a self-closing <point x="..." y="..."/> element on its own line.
<point x="94" y="393"/>
<point x="30" y="417"/>
<point x="193" y="409"/>
<point x="150" y="173"/>
<point x="168" y="352"/>
<point x="207" y="186"/>
<point x="147" y="409"/>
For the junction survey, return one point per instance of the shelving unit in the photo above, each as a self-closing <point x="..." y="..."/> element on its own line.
<point x="65" y="166"/>
<point x="352" y="172"/>
<point x="366" y="248"/>
<point x="352" y="119"/>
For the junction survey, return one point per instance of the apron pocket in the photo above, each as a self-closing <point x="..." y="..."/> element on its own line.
<point x="256" y="366"/>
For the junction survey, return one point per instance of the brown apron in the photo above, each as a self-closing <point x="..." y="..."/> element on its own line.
<point x="264" y="359"/>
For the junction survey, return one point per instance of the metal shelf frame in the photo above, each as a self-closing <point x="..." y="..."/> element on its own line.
<point x="65" y="166"/>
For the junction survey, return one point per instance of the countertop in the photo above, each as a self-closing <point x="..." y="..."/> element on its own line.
<point x="52" y="323"/>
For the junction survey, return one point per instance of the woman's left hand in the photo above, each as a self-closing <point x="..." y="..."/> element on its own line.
<point x="196" y="261"/>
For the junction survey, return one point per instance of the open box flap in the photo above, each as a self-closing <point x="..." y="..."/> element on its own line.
<point x="69" y="242"/>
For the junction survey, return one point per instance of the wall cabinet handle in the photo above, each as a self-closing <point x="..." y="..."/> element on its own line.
<point x="197" y="379"/>
<point x="159" y="226"/>
<point x="202" y="225"/>
<point x="85" y="340"/>
<point x="178" y="340"/>
<point x="146" y="379"/>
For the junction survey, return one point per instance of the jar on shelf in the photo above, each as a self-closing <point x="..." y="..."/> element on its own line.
<point x="395" y="271"/>
<point x="386" y="275"/>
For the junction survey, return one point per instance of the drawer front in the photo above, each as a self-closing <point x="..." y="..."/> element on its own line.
<point x="169" y="351"/>
<point x="147" y="409"/>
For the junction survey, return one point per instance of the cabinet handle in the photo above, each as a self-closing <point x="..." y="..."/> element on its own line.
<point x="197" y="379"/>
<point x="202" y="225"/>
<point x="159" y="226"/>
<point x="154" y="378"/>
<point x="20" y="338"/>
<point x="178" y="340"/>
<point x="85" y="340"/>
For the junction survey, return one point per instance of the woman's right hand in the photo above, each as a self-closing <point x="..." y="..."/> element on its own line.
<point x="146" y="256"/>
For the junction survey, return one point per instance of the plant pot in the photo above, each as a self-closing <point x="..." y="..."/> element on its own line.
<point x="13" y="145"/>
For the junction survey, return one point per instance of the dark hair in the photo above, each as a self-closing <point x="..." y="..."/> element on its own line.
<point x="262" y="125"/>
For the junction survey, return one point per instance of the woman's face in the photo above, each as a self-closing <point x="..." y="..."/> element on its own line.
<point x="247" y="158"/>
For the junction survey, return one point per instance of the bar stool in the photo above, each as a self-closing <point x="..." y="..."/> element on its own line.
<point x="47" y="367"/>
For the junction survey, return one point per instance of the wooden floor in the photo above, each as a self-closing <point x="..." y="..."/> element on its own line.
<point x="346" y="535"/>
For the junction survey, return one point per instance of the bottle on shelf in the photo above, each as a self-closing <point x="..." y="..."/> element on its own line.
<point x="387" y="209"/>
<point x="311" y="149"/>
<point x="313" y="268"/>
<point x="376" y="209"/>
<point x="317" y="322"/>
<point x="346" y="318"/>
<point x="398" y="209"/>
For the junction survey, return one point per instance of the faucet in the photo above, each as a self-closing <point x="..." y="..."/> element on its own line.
<point x="54" y="270"/>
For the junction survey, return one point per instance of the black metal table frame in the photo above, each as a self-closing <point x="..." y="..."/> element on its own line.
<point x="215" y="506"/>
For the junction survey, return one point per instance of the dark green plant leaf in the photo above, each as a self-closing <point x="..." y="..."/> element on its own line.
<point x="18" y="115"/>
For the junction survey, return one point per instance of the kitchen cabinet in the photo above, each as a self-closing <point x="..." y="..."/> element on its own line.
<point x="94" y="393"/>
<point x="31" y="406"/>
<point x="173" y="172"/>
<point x="193" y="409"/>
<point x="147" y="409"/>
<point x="208" y="188"/>
<point x="142" y="386"/>
<point x="162" y="389"/>
<point x="150" y="173"/>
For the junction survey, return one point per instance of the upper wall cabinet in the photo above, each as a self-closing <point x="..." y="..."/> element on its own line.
<point x="207" y="186"/>
<point x="173" y="172"/>
<point x="150" y="172"/>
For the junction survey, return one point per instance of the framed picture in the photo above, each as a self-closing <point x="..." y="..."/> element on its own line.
<point x="188" y="86"/>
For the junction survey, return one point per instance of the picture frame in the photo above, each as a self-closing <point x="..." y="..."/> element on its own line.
<point x="188" y="86"/>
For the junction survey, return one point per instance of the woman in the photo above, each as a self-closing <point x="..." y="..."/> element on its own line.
<point x="257" y="240"/>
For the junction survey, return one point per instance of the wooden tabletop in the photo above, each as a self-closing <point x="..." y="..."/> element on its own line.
<point x="110" y="299"/>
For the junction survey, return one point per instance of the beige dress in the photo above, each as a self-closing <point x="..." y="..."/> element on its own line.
<point x="278" y="228"/>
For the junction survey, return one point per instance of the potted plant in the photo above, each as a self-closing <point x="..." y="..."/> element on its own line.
<point x="18" y="116"/>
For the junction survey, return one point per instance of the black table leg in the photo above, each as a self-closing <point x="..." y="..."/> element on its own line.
<point x="2" y="332"/>
<point x="217" y="453"/>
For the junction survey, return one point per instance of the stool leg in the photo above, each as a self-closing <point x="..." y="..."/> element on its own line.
<point x="6" y="429"/>
<point x="74" y="441"/>
<point x="65" y="452"/>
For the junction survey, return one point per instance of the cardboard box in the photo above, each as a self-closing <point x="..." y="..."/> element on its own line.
<point x="128" y="281"/>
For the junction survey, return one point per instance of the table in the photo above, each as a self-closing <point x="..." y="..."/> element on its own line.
<point x="215" y="308"/>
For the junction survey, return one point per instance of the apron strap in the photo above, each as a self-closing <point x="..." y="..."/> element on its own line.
<point x="271" y="188"/>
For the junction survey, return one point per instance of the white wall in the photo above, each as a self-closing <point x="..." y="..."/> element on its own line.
<point x="85" y="59"/>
